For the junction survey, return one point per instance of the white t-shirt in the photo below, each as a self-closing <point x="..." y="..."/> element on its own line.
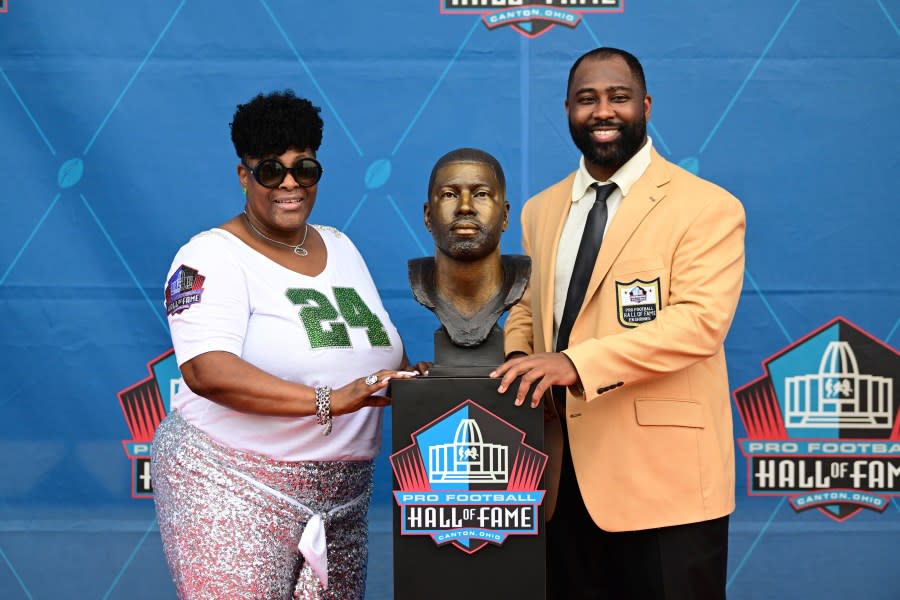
<point x="323" y="330"/>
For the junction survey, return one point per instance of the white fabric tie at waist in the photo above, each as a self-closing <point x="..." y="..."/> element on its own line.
<point x="312" y="544"/>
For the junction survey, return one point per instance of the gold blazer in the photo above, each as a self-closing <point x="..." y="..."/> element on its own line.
<point x="651" y="431"/>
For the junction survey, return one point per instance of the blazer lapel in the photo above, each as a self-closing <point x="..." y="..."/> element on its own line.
<point x="551" y="229"/>
<point x="644" y="195"/>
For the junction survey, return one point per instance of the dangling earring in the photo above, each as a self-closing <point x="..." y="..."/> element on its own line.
<point x="243" y="189"/>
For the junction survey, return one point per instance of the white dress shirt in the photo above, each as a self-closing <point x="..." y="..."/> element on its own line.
<point x="581" y="201"/>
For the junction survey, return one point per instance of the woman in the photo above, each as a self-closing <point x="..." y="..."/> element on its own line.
<point x="262" y="472"/>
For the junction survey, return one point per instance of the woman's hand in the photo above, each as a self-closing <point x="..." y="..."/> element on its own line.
<point x="420" y="367"/>
<point x="360" y="393"/>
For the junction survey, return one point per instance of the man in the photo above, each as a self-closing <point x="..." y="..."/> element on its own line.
<point x="641" y="480"/>
<point x="468" y="284"/>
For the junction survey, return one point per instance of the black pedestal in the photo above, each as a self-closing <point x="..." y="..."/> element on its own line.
<point x="468" y="491"/>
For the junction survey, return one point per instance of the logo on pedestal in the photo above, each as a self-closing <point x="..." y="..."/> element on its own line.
<point x="822" y="423"/>
<point x="468" y="479"/>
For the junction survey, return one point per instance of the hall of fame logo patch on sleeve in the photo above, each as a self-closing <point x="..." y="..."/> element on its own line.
<point x="184" y="288"/>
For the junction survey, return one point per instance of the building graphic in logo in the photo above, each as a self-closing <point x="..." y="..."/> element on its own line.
<point x="530" y="18"/>
<point x="468" y="459"/>
<point x="822" y="424"/>
<point x="4" y="6"/>
<point x="144" y="405"/>
<point x="468" y="479"/>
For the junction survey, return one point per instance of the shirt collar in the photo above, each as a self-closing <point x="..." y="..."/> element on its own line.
<point x="624" y="177"/>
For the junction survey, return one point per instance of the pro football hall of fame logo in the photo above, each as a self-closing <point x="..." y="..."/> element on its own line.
<point x="144" y="405"/>
<point x="530" y="18"/>
<point x="468" y="479"/>
<point x="822" y="423"/>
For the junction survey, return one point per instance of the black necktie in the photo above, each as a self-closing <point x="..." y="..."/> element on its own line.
<point x="584" y="262"/>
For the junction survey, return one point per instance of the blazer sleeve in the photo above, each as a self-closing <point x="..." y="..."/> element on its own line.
<point x="518" y="331"/>
<point x="707" y="272"/>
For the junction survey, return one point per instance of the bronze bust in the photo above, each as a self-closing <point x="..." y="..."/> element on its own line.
<point x="468" y="284"/>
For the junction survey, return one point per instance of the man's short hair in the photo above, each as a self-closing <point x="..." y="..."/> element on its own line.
<point x="468" y="155"/>
<point x="605" y="52"/>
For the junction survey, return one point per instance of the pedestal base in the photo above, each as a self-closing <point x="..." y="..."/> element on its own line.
<point x="468" y="491"/>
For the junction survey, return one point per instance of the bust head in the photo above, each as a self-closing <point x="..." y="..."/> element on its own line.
<point x="467" y="210"/>
<point x="468" y="284"/>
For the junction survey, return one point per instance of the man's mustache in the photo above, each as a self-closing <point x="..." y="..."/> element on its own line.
<point x="468" y="223"/>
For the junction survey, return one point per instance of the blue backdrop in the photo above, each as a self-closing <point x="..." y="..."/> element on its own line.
<point x="115" y="150"/>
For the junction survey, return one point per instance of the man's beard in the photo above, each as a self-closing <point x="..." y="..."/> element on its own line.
<point x="471" y="247"/>
<point x="610" y="154"/>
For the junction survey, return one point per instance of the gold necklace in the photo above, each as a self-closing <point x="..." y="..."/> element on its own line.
<point x="299" y="250"/>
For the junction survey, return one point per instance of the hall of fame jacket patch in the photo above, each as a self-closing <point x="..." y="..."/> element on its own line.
<point x="637" y="301"/>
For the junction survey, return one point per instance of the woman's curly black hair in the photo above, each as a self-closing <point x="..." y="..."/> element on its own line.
<point x="271" y="124"/>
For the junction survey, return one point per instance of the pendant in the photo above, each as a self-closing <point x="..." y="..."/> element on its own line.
<point x="300" y="251"/>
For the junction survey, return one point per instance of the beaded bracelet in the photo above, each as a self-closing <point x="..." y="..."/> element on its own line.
<point x="323" y="408"/>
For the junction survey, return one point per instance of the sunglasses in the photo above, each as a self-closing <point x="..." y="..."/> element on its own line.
<point x="271" y="172"/>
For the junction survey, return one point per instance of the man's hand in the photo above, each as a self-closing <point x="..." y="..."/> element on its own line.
<point x="543" y="370"/>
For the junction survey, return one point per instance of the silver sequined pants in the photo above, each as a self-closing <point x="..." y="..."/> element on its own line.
<point x="227" y="538"/>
